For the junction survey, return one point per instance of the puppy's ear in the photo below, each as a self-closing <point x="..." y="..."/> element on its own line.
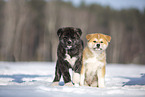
<point x="107" y="37"/>
<point x="78" y="31"/>
<point x="59" y="32"/>
<point x="89" y="36"/>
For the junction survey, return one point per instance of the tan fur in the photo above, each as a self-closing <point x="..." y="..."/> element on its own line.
<point x="103" y="71"/>
<point x="94" y="60"/>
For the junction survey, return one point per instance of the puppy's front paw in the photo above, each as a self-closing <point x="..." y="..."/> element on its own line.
<point x="102" y="86"/>
<point x="55" y="84"/>
<point x="101" y="83"/>
<point x="81" y="84"/>
<point x="69" y="84"/>
<point x="76" y="85"/>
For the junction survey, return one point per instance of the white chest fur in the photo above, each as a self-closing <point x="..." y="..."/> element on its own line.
<point x="70" y="60"/>
<point x="93" y="64"/>
<point x="95" y="60"/>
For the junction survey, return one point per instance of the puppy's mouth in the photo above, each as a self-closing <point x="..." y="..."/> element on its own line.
<point x="97" y="48"/>
<point x="69" y="47"/>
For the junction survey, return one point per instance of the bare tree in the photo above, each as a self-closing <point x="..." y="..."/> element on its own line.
<point x="50" y="42"/>
<point x="15" y="19"/>
<point x="117" y="34"/>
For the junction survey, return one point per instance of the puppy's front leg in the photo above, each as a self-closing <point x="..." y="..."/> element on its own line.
<point x="101" y="77"/>
<point x="67" y="79"/>
<point x="76" y="78"/>
<point x="76" y="72"/>
<point x="82" y="75"/>
<point x="66" y="75"/>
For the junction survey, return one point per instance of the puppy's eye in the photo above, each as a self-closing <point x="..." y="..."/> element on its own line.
<point x="73" y="37"/>
<point x="94" y="41"/>
<point x="101" y="41"/>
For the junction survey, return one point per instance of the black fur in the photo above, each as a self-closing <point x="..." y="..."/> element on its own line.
<point x="69" y="41"/>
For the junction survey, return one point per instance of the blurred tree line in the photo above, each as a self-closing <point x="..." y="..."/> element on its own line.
<point x="28" y="29"/>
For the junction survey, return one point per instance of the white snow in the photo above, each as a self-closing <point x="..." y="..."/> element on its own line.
<point x="33" y="79"/>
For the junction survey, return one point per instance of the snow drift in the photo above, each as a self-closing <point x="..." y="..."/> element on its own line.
<point x="33" y="79"/>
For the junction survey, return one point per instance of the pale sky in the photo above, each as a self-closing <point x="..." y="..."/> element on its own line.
<point x="116" y="4"/>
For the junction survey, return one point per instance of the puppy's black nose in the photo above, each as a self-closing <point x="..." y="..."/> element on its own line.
<point x="98" y="45"/>
<point x="69" y="42"/>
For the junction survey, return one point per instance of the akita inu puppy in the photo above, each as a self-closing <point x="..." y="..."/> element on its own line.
<point x="69" y="54"/>
<point x="94" y="60"/>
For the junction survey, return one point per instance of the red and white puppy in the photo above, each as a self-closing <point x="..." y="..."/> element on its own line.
<point x="94" y="60"/>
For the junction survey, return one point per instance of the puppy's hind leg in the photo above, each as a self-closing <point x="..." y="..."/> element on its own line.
<point x="57" y="76"/>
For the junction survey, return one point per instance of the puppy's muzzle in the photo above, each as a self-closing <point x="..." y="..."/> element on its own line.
<point x="69" y="42"/>
<point x="98" y="45"/>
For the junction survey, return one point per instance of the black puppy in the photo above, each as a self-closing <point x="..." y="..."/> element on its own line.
<point x="69" y="55"/>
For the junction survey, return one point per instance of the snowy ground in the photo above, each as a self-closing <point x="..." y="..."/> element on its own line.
<point x="33" y="79"/>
